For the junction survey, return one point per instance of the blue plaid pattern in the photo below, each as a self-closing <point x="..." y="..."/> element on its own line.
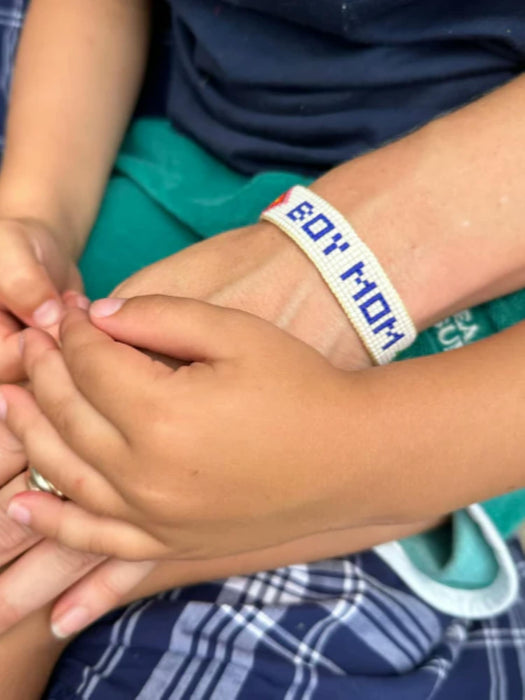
<point x="337" y="629"/>
<point x="11" y="18"/>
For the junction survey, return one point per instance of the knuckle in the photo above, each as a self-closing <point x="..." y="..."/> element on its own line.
<point x="60" y="415"/>
<point x="156" y="505"/>
<point x="109" y="590"/>
<point x="142" y="496"/>
<point x="97" y="544"/>
<point x="64" y="420"/>
<point x="11" y="538"/>
<point x="12" y="370"/>
<point x="68" y="561"/>
<point x="28" y="429"/>
<point x="62" y="532"/>
<point x="156" y="306"/>
<point x="40" y="367"/>
<point x="56" y="407"/>
<point x="149" y="497"/>
<point x="11" y="452"/>
<point x="82" y="357"/>
<point x="186" y="547"/>
<point x="140" y="550"/>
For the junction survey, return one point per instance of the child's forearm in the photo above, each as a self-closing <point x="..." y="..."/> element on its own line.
<point x="28" y="653"/>
<point x="78" y="73"/>
<point x="435" y="433"/>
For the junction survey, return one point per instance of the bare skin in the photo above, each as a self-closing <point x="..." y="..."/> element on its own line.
<point x="422" y="204"/>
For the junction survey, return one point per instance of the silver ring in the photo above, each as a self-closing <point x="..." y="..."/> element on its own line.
<point x="37" y="482"/>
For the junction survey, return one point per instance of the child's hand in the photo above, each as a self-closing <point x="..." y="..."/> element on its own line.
<point x="35" y="269"/>
<point x="260" y="270"/>
<point x="245" y="420"/>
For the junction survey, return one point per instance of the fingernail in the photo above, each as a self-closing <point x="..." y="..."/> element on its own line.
<point x="47" y="314"/>
<point x="19" y="514"/>
<point x="74" y="300"/>
<point x="3" y="407"/>
<point x="105" y="307"/>
<point x="71" y="621"/>
<point x="82" y="302"/>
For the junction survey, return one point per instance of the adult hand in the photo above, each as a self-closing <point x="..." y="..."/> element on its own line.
<point x="260" y="270"/>
<point x="35" y="268"/>
<point x="96" y="393"/>
<point x="25" y="558"/>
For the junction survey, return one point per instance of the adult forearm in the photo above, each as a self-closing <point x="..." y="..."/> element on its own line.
<point x="78" y="72"/>
<point x="323" y="545"/>
<point x="443" y="207"/>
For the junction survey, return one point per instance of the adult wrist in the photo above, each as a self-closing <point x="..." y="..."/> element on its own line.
<point x="301" y="301"/>
<point x="388" y="220"/>
<point x="349" y="268"/>
<point x="448" y="237"/>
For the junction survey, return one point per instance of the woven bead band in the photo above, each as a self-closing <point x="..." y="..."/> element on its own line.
<point x="349" y="268"/>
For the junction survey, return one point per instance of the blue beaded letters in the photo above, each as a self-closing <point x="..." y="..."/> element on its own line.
<point x="300" y="212"/>
<point x="374" y="307"/>
<point x="335" y="245"/>
<point x="314" y="231"/>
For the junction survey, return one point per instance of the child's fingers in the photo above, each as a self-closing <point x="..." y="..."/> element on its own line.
<point x="55" y="568"/>
<point x="114" y="378"/>
<point x="186" y="329"/>
<point x="96" y="594"/>
<point x="71" y="300"/>
<point x="73" y="527"/>
<point x="47" y="452"/>
<point x="86" y="430"/>
<point x="26" y="288"/>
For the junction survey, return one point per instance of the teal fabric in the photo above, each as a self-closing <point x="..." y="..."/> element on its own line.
<point x="456" y="554"/>
<point x="167" y="193"/>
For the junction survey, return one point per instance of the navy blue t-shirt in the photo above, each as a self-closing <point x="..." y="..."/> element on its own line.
<point x="306" y="84"/>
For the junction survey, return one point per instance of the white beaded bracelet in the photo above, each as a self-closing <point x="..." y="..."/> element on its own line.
<point x="350" y="269"/>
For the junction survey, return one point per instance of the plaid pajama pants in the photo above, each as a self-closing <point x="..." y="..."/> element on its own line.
<point x="341" y="628"/>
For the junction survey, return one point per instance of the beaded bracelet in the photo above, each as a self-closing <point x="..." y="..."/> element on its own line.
<point x="349" y="268"/>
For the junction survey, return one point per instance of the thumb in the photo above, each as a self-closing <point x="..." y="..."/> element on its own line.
<point x="26" y="289"/>
<point x="186" y="329"/>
